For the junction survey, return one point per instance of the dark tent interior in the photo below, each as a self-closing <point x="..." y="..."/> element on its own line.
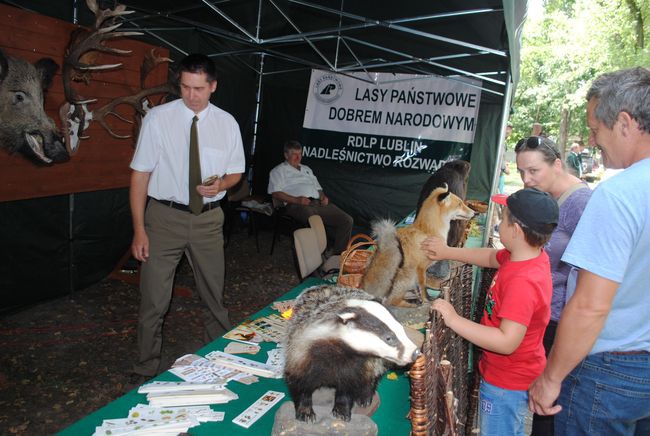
<point x="264" y="51"/>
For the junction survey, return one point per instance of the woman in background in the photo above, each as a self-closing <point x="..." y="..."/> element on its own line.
<point x="540" y="166"/>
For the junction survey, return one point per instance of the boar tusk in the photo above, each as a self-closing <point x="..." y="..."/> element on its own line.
<point x="35" y="142"/>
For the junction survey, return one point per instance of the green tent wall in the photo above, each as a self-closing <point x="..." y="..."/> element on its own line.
<point x="52" y="249"/>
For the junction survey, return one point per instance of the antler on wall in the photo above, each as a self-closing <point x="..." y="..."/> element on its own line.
<point x="138" y="101"/>
<point x="75" y="114"/>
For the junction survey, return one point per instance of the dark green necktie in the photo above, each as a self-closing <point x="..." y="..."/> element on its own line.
<point x="196" y="201"/>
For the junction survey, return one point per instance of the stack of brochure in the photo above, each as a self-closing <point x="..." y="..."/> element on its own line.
<point x="147" y="420"/>
<point x="269" y="370"/>
<point x="166" y="394"/>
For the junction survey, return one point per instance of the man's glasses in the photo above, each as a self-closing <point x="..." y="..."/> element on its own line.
<point x="532" y="142"/>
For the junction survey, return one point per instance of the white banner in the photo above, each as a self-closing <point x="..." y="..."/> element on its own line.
<point x="403" y="105"/>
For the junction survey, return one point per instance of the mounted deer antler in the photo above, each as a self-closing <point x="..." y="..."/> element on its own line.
<point x="74" y="113"/>
<point x="138" y="101"/>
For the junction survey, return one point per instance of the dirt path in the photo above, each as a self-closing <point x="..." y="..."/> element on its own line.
<point x="65" y="358"/>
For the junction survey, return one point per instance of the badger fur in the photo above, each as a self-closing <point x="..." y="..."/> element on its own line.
<point x="341" y="338"/>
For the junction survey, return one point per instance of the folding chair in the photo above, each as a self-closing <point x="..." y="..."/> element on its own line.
<point x="235" y="196"/>
<point x="281" y="219"/>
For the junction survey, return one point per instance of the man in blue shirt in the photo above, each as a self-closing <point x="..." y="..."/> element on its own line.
<point x="599" y="365"/>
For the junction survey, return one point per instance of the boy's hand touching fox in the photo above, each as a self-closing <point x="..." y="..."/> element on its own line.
<point x="434" y="247"/>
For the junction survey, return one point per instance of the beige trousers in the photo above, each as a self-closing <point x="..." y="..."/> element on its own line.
<point x="171" y="233"/>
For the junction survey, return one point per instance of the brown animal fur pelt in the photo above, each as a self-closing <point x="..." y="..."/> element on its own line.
<point x="399" y="263"/>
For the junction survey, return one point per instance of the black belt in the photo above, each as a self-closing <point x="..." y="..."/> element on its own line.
<point x="185" y="207"/>
<point x="630" y="352"/>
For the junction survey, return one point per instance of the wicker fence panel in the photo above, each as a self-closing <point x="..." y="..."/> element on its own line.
<point x="443" y="378"/>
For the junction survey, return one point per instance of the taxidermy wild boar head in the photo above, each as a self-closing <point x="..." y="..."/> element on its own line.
<point x="24" y="126"/>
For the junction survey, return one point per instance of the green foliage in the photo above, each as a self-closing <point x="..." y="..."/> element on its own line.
<point x="565" y="48"/>
<point x="513" y="180"/>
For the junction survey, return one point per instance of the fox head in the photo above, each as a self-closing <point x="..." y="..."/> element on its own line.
<point x="440" y="208"/>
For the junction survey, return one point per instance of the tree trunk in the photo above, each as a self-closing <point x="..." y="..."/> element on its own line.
<point x="635" y="10"/>
<point x="564" y="125"/>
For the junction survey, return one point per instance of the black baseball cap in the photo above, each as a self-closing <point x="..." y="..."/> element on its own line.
<point x="534" y="208"/>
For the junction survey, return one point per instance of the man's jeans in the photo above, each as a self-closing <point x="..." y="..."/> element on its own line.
<point x="606" y="394"/>
<point x="502" y="411"/>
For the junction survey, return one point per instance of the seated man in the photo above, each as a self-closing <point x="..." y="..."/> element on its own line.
<point x="296" y="186"/>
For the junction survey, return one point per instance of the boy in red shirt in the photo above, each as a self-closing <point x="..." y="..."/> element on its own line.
<point x="517" y="307"/>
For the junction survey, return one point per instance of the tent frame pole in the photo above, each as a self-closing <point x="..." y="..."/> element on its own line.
<point x="505" y="111"/>
<point x="258" y="99"/>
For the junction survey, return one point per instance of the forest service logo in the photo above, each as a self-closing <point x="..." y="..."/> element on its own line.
<point x="328" y="88"/>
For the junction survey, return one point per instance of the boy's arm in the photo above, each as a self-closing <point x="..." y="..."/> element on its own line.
<point x="437" y="249"/>
<point x="503" y="340"/>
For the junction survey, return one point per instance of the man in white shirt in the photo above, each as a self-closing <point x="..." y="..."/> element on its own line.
<point x="167" y="226"/>
<point x="296" y="186"/>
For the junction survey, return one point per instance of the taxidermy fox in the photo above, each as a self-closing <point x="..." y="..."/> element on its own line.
<point x="399" y="264"/>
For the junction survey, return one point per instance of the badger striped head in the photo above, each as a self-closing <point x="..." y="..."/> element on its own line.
<point x="368" y="327"/>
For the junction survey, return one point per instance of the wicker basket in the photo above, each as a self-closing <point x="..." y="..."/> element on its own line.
<point x="355" y="257"/>
<point x="354" y="260"/>
<point x="350" y="280"/>
<point x="477" y="205"/>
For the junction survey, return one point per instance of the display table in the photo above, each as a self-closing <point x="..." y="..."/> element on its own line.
<point x="391" y="417"/>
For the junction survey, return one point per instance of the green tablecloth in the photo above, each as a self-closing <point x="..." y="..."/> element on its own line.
<point x="390" y="417"/>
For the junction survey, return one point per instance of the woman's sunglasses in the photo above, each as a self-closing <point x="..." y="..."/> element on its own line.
<point x="532" y="142"/>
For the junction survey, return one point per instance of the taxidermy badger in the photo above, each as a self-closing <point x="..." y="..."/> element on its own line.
<point x="399" y="264"/>
<point x="338" y="337"/>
